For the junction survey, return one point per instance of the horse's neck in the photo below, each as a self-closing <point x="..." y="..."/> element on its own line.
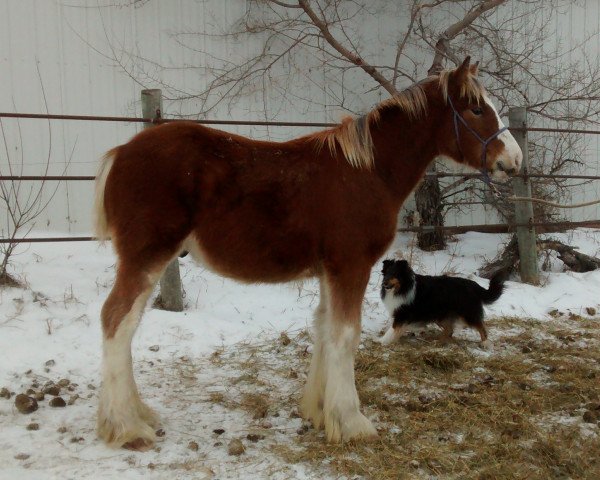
<point x="404" y="147"/>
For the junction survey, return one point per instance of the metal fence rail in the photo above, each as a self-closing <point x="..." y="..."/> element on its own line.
<point x="492" y="228"/>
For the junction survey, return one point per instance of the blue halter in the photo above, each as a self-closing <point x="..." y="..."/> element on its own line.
<point x="484" y="142"/>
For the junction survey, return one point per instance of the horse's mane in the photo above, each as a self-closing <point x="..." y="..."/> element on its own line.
<point x="353" y="136"/>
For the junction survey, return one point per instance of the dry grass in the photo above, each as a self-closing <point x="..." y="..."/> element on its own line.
<point x="453" y="411"/>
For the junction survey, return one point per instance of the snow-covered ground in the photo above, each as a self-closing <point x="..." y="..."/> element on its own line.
<point x="50" y="331"/>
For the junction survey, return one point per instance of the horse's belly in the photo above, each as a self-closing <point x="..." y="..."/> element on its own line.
<point x="246" y="258"/>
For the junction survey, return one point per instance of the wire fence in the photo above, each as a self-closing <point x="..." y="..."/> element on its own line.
<point x="490" y="228"/>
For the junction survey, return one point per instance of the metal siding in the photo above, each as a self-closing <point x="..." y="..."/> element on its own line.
<point x="69" y="42"/>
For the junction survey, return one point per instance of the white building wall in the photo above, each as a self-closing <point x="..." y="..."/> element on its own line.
<point x="59" y="56"/>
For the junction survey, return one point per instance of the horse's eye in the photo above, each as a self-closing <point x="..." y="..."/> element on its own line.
<point x="477" y="110"/>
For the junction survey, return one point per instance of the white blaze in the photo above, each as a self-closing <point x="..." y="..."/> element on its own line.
<point x="512" y="156"/>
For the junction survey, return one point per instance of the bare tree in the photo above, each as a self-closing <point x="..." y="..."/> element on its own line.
<point x="22" y="205"/>
<point x="324" y="44"/>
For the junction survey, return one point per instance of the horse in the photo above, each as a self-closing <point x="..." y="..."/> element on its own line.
<point x="323" y="205"/>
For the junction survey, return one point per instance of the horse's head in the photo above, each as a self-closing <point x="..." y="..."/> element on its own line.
<point x="471" y="131"/>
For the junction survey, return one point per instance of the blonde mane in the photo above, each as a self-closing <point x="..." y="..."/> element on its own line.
<point x="353" y="136"/>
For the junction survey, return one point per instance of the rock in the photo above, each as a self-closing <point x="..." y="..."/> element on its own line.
<point x="57" y="402"/>
<point x="72" y="399"/>
<point x="219" y="431"/>
<point x="5" y="393"/>
<point x="591" y="416"/>
<point x="30" y="391"/>
<point x="160" y="432"/>
<point x="22" y="456"/>
<point x="590" y="311"/>
<point x="52" y="389"/>
<point x="266" y="424"/>
<point x="25" y="404"/>
<point x="255" y="437"/>
<point x="77" y="440"/>
<point x="64" y="382"/>
<point x="193" y="446"/>
<point x="50" y="363"/>
<point x="39" y="396"/>
<point x="91" y="387"/>
<point x="154" y="348"/>
<point x="236" y="447"/>
<point x="33" y="426"/>
<point x="61" y="429"/>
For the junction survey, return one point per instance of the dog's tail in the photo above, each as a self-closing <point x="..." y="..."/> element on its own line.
<point x="495" y="289"/>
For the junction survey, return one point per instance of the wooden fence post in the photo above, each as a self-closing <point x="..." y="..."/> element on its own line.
<point x="171" y="297"/>
<point x="528" y="259"/>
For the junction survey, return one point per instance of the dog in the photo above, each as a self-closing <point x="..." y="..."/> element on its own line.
<point x="414" y="299"/>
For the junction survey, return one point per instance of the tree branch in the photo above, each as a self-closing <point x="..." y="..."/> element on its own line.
<point x="442" y="45"/>
<point x="351" y="56"/>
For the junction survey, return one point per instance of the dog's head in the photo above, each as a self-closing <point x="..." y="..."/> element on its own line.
<point x="397" y="276"/>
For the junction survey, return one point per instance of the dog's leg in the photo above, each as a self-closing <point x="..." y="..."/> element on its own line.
<point x="447" y="330"/>
<point x="392" y="334"/>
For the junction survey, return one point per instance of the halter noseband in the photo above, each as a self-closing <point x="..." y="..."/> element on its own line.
<point x="484" y="142"/>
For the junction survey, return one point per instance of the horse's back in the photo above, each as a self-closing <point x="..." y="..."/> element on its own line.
<point x="249" y="205"/>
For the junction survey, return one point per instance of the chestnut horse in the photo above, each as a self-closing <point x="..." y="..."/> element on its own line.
<point x="324" y="205"/>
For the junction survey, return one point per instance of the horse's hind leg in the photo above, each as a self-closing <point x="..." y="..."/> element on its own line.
<point x="123" y="419"/>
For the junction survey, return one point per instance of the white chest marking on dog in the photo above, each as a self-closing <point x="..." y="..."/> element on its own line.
<point x="392" y="302"/>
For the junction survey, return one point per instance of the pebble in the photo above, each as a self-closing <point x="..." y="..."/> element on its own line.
<point x="25" y="404"/>
<point x="235" y="447"/>
<point x="57" y="402"/>
<point x="50" y="363"/>
<point x="52" y="389"/>
<point x="39" y="396"/>
<point x="255" y="437"/>
<point x="5" y="393"/>
<point x="91" y="386"/>
<point x="160" y="432"/>
<point x="219" y="431"/>
<point x="33" y="426"/>
<point x="22" y="456"/>
<point x="590" y="310"/>
<point x="193" y="446"/>
<point x="72" y="399"/>
<point x="154" y="348"/>
<point x="64" y="382"/>
<point x="61" y="429"/>
<point x="591" y="416"/>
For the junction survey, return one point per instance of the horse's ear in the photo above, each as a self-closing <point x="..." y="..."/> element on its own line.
<point x="474" y="69"/>
<point x="464" y="71"/>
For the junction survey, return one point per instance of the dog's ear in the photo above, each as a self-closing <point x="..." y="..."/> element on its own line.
<point x="387" y="263"/>
<point x="403" y="264"/>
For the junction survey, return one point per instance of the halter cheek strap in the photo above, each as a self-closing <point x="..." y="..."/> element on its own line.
<point x="484" y="142"/>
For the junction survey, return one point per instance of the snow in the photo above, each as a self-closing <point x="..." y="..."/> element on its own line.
<point x="56" y="317"/>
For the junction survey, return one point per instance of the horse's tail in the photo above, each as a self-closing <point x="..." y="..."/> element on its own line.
<point x="101" y="229"/>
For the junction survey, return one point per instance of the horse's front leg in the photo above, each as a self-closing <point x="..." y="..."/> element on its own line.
<point x="311" y="405"/>
<point x="340" y="337"/>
